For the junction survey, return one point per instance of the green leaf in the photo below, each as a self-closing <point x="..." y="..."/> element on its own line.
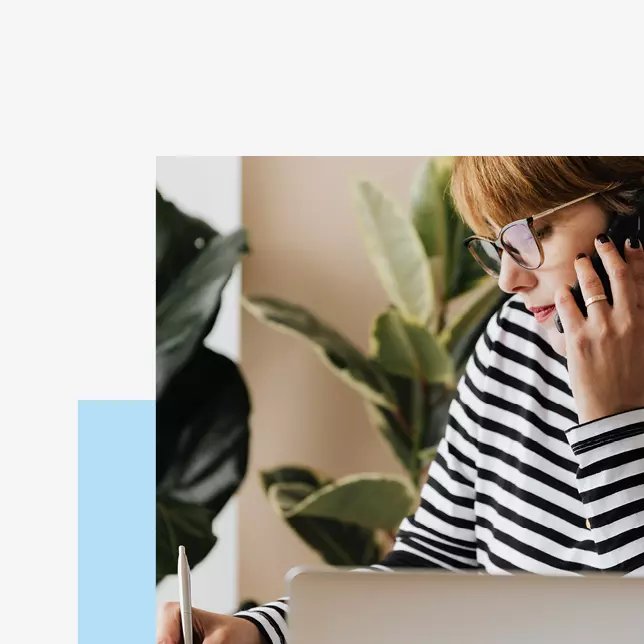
<point x="394" y="430"/>
<point x="183" y="524"/>
<point x="409" y="350"/>
<point x="179" y="239"/>
<point x="186" y="308"/>
<point x="396" y="427"/>
<point x="396" y="251"/>
<point x="202" y="432"/>
<point x="439" y="400"/>
<point x="338" y="543"/>
<point x="464" y="272"/>
<point x="429" y="211"/>
<point x="465" y="312"/>
<point x="336" y="351"/>
<point x="442" y="230"/>
<point x="373" y="501"/>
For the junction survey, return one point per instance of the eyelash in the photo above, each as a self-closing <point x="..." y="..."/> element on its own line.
<point x="544" y="231"/>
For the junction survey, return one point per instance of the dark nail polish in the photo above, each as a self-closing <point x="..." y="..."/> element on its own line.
<point x="602" y="239"/>
<point x="633" y="242"/>
<point x="581" y="256"/>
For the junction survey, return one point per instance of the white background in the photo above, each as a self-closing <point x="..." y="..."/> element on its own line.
<point x="93" y="92"/>
<point x="210" y="188"/>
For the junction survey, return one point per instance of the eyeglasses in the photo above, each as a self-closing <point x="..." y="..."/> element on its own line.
<point x="519" y="238"/>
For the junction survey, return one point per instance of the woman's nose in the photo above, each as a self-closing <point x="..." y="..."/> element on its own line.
<point x="513" y="278"/>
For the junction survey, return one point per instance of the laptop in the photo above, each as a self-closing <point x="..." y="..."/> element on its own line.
<point x="333" y="606"/>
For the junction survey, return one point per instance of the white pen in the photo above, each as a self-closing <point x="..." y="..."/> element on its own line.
<point x="185" y="601"/>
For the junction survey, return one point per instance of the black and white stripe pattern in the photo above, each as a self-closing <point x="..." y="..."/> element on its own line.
<point x="517" y="481"/>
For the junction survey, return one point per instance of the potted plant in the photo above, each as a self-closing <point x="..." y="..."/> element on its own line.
<point x="440" y="301"/>
<point x="203" y="405"/>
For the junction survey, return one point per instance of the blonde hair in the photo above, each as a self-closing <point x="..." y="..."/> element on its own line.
<point x="503" y="189"/>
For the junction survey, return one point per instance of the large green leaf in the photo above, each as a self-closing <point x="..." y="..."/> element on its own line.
<point x="428" y="206"/>
<point x="336" y="351"/>
<point x="373" y="501"/>
<point x="338" y="543"/>
<point x="186" y="308"/>
<point x="396" y="251"/>
<point x="466" y="312"/>
<point x="182" y="524"/>
<point x="409" y="350"/>
<point x="203" y="432"/>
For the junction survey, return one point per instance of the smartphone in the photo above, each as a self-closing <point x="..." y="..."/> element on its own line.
<point x="622" y="227"/>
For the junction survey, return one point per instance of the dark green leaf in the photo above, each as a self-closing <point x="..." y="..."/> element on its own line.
<point x="293" y="474"/>
<point x="337" y="543"/>
<point x="395" y="431"/>
<point x="181" y="524"/>
<point x="180" y="238"/>
<point x="439" y="399"/>
<point x="186" y="309"/>
<point x="463" y="271"/>
<point x="465" y="339"/>
<point x="202" y="432"/>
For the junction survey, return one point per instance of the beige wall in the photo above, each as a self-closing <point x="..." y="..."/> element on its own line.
<point x="306" y="248"/>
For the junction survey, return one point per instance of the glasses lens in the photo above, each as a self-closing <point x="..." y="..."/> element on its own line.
<point x="519" y="241"/>
<point x="487" y="255"/>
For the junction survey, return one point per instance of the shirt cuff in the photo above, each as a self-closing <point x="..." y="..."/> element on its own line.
<point x="599" y="433"/>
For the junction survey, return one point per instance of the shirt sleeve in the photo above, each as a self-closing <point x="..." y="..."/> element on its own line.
<point x="610" y="478"/>
<point x="440" y="534"/>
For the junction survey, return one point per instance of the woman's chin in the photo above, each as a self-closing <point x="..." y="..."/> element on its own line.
<point x="556" y="340"/>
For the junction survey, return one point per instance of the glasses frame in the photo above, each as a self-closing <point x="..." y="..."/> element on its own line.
<point x="529" y="221"/>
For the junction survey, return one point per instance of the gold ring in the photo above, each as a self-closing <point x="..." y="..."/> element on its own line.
<point x="595" y="298"/>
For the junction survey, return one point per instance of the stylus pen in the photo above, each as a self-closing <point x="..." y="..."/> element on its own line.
<point x="185" y="601"/>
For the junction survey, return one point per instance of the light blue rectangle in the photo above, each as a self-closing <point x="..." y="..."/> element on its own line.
<point x="116" y="521"/>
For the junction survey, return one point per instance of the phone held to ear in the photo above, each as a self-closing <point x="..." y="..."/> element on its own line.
<point x="623" y="227"/>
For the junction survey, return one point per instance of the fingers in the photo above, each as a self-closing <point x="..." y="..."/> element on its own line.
<point x="570" y="314"/>
<point x="169" y="624"/>
<point x="635" y="260"/>
<point x="621" y="279"/>
<point x="591" y="286"/>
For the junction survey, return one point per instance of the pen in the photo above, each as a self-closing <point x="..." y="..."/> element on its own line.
<point x="185" y="601"/>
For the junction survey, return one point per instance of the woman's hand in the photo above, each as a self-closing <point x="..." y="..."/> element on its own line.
<point x="209" y="628"/>
<point x="605" y="351"/>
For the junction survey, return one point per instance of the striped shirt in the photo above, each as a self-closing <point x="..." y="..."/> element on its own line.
<point x="517" y="483"/>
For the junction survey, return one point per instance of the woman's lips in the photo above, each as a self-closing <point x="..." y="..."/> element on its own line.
<point x="541" y="315"/>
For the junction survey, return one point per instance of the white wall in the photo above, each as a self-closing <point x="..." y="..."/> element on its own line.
<point x="210" y="188"/>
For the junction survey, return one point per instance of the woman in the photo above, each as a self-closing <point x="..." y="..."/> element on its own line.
<point x="542" y="464"/>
